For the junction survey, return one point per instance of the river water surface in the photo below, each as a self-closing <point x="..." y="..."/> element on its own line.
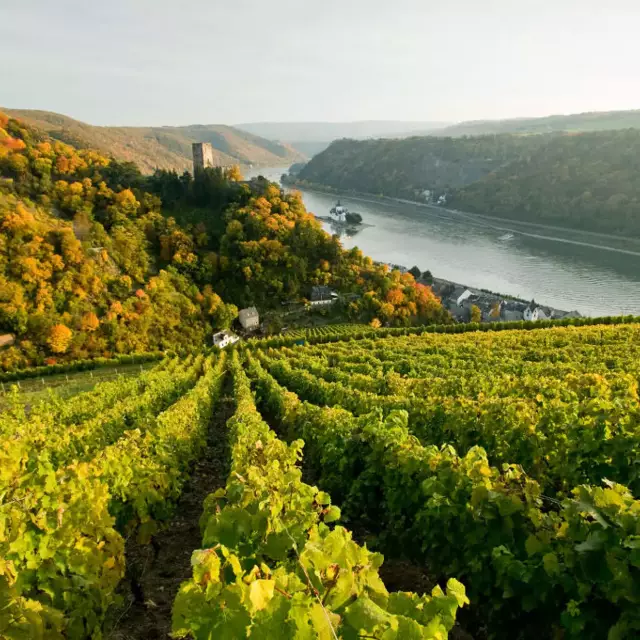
<point x="592" y="273"/>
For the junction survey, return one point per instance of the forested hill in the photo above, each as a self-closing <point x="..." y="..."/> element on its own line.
<point x="405" y="168"/>
<point x="588" y="181"/>
<point x="97" y="259"/>
<point x="161" y="147"/>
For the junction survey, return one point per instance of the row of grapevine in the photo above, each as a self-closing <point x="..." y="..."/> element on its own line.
<point x="79" y="365"/>
<point x="557" y="434"/>
<point x="428" y="374"/>
<point x="545" y="566"/>
<point x="362" y="332"/>
<point x="507" y="351"/>
<point x="82" y="406"/>
<point x="48" y="436"/>
<point x="61" y="548"/>
<point x="565" y="427"/>
<point x="16" y="420"/>
<point x="328" y="330"/>
<point x="272" y="567"/>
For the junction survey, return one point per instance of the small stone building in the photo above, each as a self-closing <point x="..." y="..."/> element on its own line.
<point x="249" y="318"/>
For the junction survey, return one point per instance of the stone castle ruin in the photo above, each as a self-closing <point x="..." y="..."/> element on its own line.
<point x="202" y="156"/>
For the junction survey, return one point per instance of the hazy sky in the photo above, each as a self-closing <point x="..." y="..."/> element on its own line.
<point x="231" y="61"/>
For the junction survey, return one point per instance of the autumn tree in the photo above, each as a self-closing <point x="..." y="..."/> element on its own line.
<point x="89" y="322"/>
<point x="476" y="313"/>
<point x="59" y="338"/>
<point x="233" y="173"/>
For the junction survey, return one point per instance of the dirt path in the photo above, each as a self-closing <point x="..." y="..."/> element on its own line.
<point x="155" y="571"/>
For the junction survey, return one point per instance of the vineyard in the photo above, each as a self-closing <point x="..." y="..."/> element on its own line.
<point x="499" y="466"/>
<point x="328" y="330"/>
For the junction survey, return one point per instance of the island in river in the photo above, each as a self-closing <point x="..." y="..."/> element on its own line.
<point x="342" y="221"/>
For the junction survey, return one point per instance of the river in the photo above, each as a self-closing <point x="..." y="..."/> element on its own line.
<point x="592" y="273"/>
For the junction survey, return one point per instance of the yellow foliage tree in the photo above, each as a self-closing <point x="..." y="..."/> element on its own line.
<point x="476" y="314"/>
<point x="59" y="338"/>
<point x="234" y="173"/>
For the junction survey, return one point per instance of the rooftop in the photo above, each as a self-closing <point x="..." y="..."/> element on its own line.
<point x="320" y="292"/>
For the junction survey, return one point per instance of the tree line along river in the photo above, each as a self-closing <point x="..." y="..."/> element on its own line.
<point x="566" y="269"/>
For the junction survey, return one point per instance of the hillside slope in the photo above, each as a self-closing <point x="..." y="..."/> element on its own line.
<point x="592" y="121"/>
<point x="99" y="260"/>
<point x="161" y="147"/>
<point x="586" y="181"/>
<point x="405" y="168"/>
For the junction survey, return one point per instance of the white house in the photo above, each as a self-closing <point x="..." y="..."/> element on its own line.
<point x="224" y="338"/>
<point x="534" y="313"/>
<point x="249" y="318"/>
<point x="461" y="297"/>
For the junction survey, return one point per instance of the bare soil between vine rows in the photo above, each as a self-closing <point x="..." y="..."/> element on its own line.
<point x="156" y="571"/>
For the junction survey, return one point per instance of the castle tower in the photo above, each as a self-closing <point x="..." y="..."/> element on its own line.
<point x="202" y="156"/>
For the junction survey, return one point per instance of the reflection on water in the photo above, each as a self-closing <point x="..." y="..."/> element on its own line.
<point x="594" y="274"/>
<point x="344" y="232"/>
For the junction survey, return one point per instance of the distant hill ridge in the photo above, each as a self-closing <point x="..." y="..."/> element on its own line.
<point x="161" y="147"/>
<point x="576" y="122"/>
<point x="311" y="138"/>
<point x="328" y="131"/>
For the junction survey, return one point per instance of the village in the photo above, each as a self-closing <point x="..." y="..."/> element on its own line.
<point x="467" y="304"/>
